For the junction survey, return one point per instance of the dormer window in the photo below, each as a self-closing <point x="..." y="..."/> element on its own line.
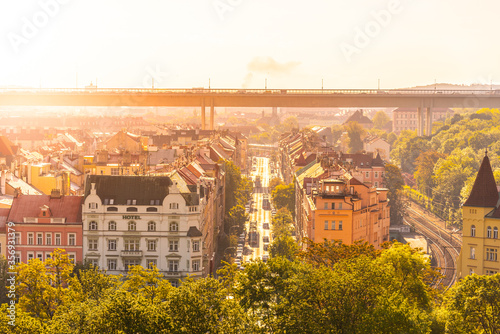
<point x="93" y="206"/>
<point x="174" y="206"/>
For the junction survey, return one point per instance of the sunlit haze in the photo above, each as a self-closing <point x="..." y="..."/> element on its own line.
<point x="241" y="43"/>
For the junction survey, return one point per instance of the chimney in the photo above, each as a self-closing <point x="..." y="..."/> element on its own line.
<point x="55" y="193"/>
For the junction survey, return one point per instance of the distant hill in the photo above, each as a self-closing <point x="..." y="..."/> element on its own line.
<point x="455" y="86"/>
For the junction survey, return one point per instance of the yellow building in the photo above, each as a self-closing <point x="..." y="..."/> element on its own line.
<point x="44" y="179"/>
<point x="481" y="223"/>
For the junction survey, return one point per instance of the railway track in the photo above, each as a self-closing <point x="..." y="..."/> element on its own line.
<point x="446" y="248"/>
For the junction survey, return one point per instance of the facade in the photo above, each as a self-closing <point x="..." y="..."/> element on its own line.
<point x="377" y="146"/>
<point x="142" y="220"/>
<point x="46" y="222"/>
<point x="481" y="225"/>
<point x="407" y="118"/>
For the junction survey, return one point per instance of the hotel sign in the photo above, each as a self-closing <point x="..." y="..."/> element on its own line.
<point x="131" y="217"/>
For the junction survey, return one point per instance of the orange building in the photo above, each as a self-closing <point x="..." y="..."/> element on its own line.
<point x="344" y="208"/>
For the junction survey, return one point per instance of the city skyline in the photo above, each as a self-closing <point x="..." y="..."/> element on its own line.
<point x="236" y="43"/>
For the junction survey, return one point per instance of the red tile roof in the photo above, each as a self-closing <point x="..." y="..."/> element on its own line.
<point x="4" y="213"/>
<point x="69" y="207"/>
<point x="484" y="192"/>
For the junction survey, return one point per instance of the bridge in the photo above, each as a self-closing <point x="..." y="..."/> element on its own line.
<point x="293" y="98"/>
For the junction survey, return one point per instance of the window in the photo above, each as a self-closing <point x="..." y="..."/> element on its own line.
<point x="325" y="206"/>
<point x="130" y="263"/>
<point x="495" y="233"/>
<point x="196" y="246"/>
<point x="340" y="225"/>
<point x="132" y="226"/>
<point x="151" y="263"/>
<point x="151" y="226"/>
<point x="151" y="209"/>
<point x="340" y="206"/>
<point x="333" y="224"/>
<point x="112" y="226"/>
<point x="173" y="265"/>
<point x="93" y="206"/>
<point x="31" y="256"/>
<point x="174" y="206"/>
<point x="472" y="252"/>
<point x="367" y="174"/>
<point x="491" y="254"/>
<point x="92" y="244"/>
<point x="71" y="239"/>
<point x="326" y="224"/>
<point x="376" y="174"/>
<point x="17" y="258"/>
<point x="111" y="244"/>
<point x="152" y="245"/>
<point x="93" y="262"/>
<point x="39" y="256"/>
<point x="488" y="233"/>
<point x="333" y="206"/>
<point x="48" y="239"/>
<point x="491" y="272"/>
<point x="93" y="226"/>
<point x="47" y="256"/>
<point x="30" y="238"/>
<point x="131" y="209"/>
<point x="376" y="184"/>
<point x="58" y="239"/>
<point x="471" y="271"/>
<point x="131" y="245"/>
<point x="196" y="265"/>
<point x="112" y="208"/>
<point x="193" y="208"/>
<point x="17" y="238"/>
<point x="111" y="264"/>
<point x="174" y="227"/>
<point x="473" y="231"/>
<point x="115" y="171"/>
<point x="173" y="245"/>
<point x="39" y="239"/>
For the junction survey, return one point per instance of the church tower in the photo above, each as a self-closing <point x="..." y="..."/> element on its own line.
<point x="481" y="222"/>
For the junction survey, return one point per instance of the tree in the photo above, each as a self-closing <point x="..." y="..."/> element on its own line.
<point x="424" y="170"/>
<point x="380" y="119"/>
<point x="391" y="138"/>
<point x="282" y="223"/>
<point x="238" y="217"/>
<point x="285" y="246"/>
<point x="284" y="197"/>
<point x="355" y="132"/>
<point x="274" y="182"/>
<point x="473" y="305"/>
<point x="328" y="253"/>
<point x="394" y="182"/>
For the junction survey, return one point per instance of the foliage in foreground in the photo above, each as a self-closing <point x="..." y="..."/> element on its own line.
<point x="328" y="288"/>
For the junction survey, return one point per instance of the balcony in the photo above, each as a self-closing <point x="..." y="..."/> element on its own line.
<point x="137" y="253"/>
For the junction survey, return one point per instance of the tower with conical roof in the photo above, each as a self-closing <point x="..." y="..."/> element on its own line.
<point x="481" y="222"/>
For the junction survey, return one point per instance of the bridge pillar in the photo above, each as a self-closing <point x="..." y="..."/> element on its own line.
<point x="203" y="114"/>
<point x="275" y="112"/>
<point x="212" y="115"/>
<point x="428" y="116"/>
<point x="420" y="126"/>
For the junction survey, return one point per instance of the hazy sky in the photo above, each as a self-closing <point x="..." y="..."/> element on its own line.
<point x="240" y="43"/>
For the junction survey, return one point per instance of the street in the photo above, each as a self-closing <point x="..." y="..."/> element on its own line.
<point x="258" y="215"/>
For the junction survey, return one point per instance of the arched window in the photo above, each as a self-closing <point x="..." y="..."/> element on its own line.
<point x="174" y="227"/>
<point x="112" y="226"/>
<point x="473" y="231"/>
<point x="131" y="225"/>
<point x="151" y="226"/>
<point x="131" y="209"/>
<point x="488" y="233"/>
<point x="93" y="226"/>
<point x="112" y="208"/>
<point x="495" y="233"/>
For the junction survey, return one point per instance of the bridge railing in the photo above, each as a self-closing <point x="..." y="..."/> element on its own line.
<point x="173" y="91"/>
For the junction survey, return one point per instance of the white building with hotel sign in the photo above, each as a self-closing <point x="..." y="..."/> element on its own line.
<point x="143" y="220"/>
